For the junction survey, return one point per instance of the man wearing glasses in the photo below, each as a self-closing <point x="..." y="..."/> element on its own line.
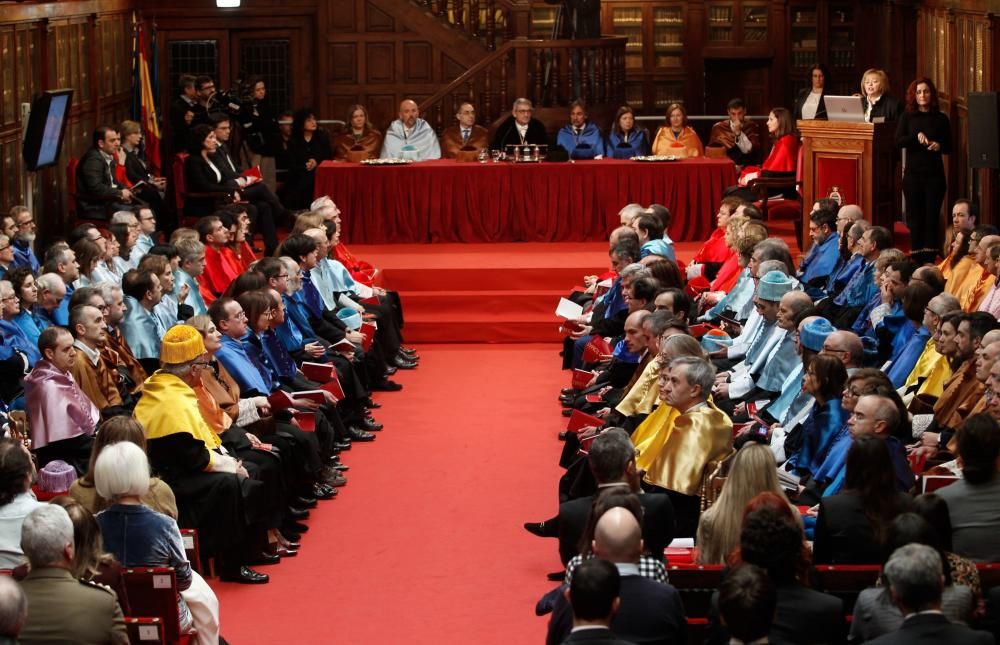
<point x="24" y="238"/>
<point x="520" y="128"/>
<point x="6" y="256"/>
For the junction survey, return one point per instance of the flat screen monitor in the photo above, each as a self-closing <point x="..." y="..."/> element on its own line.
<point x="46" y="127"/>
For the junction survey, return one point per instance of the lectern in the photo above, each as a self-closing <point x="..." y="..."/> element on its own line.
<point x="859" y="159"/>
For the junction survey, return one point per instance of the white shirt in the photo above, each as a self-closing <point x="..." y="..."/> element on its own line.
<point x="522" y="130"/>
<point x="811" y="105"/>
<point x="92" y="355"/>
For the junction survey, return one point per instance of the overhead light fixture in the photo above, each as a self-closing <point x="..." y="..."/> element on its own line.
<point x="227" y="4"/>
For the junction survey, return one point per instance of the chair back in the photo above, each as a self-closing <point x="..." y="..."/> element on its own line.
<point x="152" y="591"/>
<point x="71" y="184"/>
<point x="696" y="585"/>
<point x="180" y="185"/>
<point x="19" y="429"/>
<point x="144" y="630"/>
<point x="989" y="576"/>
<point x="846" y="581"/>
<point x="191" y="548"/>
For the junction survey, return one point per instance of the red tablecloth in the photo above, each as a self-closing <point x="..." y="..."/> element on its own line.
<point x="449" y="201"/>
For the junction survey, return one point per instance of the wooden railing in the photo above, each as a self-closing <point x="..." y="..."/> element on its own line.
<point x="485" y="20"/>
<point x="539" y="70"/>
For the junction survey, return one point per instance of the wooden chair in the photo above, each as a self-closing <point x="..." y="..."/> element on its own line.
<point x="696" y="585"/>
<point x="144" y="630"/>
<point x="152" y="591"/>
<point x="846" y="581"/>
<point x="19" y="428"/>
<point x="781" y="208"/>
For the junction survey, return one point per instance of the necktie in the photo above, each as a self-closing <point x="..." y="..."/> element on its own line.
<point x="313" y="300"/>
<point x="577" y="130"/>
<point x="465" y="136"/>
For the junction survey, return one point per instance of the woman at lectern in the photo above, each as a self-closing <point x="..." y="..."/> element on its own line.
<point x="925" y="133"/>
<point x="627" y="139"/>
<point x="677" y="137"/>
<point x="810" y="104"/>
<point x="875" y="98"/>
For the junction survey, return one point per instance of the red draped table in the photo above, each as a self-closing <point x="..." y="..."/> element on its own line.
<point x="449" y="201"/>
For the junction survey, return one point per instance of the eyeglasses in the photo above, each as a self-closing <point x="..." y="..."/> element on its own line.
<point x="277" y="277"/>
<point x="8" y="298"/>
<point x="4" y="248"/>
<point x="242" y="315"/>
<point x="201" y="364"/>
<point x="26" y="222"/>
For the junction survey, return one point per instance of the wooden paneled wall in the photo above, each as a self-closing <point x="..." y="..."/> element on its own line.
<point x="83" y="45"/>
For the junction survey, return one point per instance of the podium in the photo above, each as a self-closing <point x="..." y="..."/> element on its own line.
<point x="859" y="159"/>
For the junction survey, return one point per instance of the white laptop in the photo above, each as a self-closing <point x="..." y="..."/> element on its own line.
<point x="844" y="108"/>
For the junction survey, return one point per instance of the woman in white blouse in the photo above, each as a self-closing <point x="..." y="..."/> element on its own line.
<point x="810" y="104"/>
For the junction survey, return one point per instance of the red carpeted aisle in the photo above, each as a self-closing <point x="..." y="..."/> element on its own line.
<point x="424" y="544"/>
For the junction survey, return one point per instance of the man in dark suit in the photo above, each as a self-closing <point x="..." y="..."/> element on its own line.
<point x="612" y="461"/>
<point x="747" y="602"/>
<point x="520" y="128"/>
<point x="916" y="579"/>
<point x="650" y="611"/>
<point x="98" y="190"/>
<point x="594" y="597"/>
<point x="185" y="112"/>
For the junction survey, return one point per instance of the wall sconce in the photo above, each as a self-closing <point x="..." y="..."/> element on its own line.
<point x="227" y="4"/>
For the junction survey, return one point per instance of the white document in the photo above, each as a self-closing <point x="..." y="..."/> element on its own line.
<point x="569" y="309"/>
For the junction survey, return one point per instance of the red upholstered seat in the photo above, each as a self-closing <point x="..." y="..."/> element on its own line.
<point x="152" y="591"/>
<point x="144" y="630"/>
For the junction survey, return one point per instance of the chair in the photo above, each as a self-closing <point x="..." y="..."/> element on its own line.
<point x="152" y="591"/>
<point x="74" y="196"/>
<point x="144" y="630"/>
<point x="847" y="581"/>
<point x="19" y="428"/>
<point x="180" y="188"/>
<point x="192" y="548"/>
<point x="696" y="585"/>
<point x="989" y="575"/>
<point x="777" y="207"/>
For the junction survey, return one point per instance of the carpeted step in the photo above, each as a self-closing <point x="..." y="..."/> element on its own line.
<point x="416" y="279"/>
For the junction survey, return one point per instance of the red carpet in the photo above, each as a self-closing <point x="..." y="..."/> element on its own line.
<point x="425" y="545"/>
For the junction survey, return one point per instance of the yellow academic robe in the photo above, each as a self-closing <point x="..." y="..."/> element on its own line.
<point x="648" y="438"/>
<point x="964" y="280"/>
<point x="686" y="145"/>
<point x="695" y="443"/>
<point x="933" y="368"/>
<point x="168" y="405"/>
<point x="644" y="393"/>
<point x="983" y="287"/>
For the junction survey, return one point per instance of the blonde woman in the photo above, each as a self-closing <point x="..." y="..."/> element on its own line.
<point x="753" y="471"/>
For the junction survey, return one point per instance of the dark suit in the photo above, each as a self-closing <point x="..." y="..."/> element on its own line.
<point x="651" y="612"/>
<point x="886" y="107"/>
<point x="136" y="170"/>
<point x="800" y="100"/>
<point x="933" y="629"/>
<point x="802" y="615"/>
<point x="268" y="206"/>
<point x="603" y="636"/>
<point x="179" y="129"/>
<point x="581" y="18"/>
<point x="200" y="178"/>
<point x="95" y="177"/>
<point x="507" y="134"/>
<point x="657" y="524"/>
<point x="844" y="534"/>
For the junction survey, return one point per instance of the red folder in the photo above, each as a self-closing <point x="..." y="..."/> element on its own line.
<point x="305" y="420"/>
<point x="253" y="174"/>
<point x="319" y="372"/>
<point x="282" y="400"/>
<point x="596" y="348"/>
<point x="370" y="300"/>
<point x="581" y="378"/>
<point x="343" y="345"/>
<point x="333" y="387"/>
<point x="580" y="420"/>
<point x="594" y="398"/>
<point x="368" y="330"/>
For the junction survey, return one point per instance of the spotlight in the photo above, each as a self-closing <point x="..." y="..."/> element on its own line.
<point x="227" y="4"/>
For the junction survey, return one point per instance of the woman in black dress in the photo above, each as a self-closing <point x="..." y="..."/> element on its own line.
<point x="308" y="147"/>
<point x="876" y="101"/>
<point x="925" y="133"/>
<point x="809" y="104"/>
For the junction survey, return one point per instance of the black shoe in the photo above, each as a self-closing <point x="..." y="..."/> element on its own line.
<point x="563" y="435"/>
<point x="567" y="391"/>
<point x="245" y="575"/>
<point x="357" y="434"/>
<point x="297" y="513"/>
<point x="403" y="363"/>
<point x="536" y="528"/>
<point x="388" y="386"/>
<point x="372" y="405"/>
<point x="304" y="502"/>
<point x="557" y="576"/>
<point x="335" y="480"/>
<point x="567" y="412"/>
<point x="297" y="527"/>
<point x="369" y="423"/>
<point x="291" y="536"/>
<point x="265" y="559"/>
<point x="341" y="467"/>
<point x="390" y="370"/>
<point x="342" y="445"/>
<point x="322" y="491"/>
<point x="409" y="351"/>
<point x="408" y="357"/>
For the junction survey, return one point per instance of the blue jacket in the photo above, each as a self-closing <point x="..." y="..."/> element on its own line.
<point x="586" y="145"/>
<point x="636" y="146"/>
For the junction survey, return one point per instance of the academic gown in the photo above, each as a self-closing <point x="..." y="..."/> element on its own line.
<point x="715" y="250"/>
<point x="369" y="142"/>
<point x="819" y="432"/>
<point x="507" y="134"/>
<point x="452" y="141"/>
<point x="15" y="337"/>
<point x="652" y="433"/>
<point x="142" y="330"/>
<point x="628" y="144"/>
<point x="964" y="281"/>
<point x="685" y="144"/>
<point x="842" y="274"/>
<point x="589" y="143"/>
<point x="780" y="362"/>
<point x="696" y="441"/>
<point x="816" y="267"/>
<point x="906" y="359"/>
<point x="194" y="298"/>
<point x="57" y="407"/>
<point x="860" y="289"/>
<point x="420" y="144"/>
<point x="31" y="324"/>
<point x="931" y="372"/>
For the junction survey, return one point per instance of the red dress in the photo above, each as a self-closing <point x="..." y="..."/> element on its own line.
<point x="360" y="270"/>
<point x="221" y="268"/>
<point x="784" y="158"/>
<point x="714" y="250"/>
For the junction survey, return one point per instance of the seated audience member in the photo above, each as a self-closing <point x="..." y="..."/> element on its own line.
<point x="112" y="266"/>
<point x="61" y="261"/>
<point x="140" y="537"/>
<point x="125" y="227"/>
<point x="612" y="462"/>
<point x="158" y="497"/>
<point x="733" y="287"/>
<point x="987" y="276"/>
<point x="581" y="138"/>
<point x="781" y="161"/>
<point x="747" y="604"/>
<point x="26" y="290"/>
<point x="964" y="219"/>
<point x="914" y="576"/>
<point x="843" y="309"/>
<point x="849" y="260"/>
<point x="702" y="436"/>
<point x="962" y="272"/>
<point x="190" y="268"/>
<point x="141" y="327"/>
<point x="117" y="352"/>
<point x="875" y="97"/>
<point x="466" y="135"/>
<point x="63" y="419"/>
<point x="874" y="612"/>
<point x="652" y="236"/>
<point x="62" y="608"/>
<point x="13" y="337"/>
<point x="520" y="128"/>
<point x="824" y="380"/>
<point x="594" y="597"/>
<point x="627" y="139"/>
<point x="96" y="378"/>
<point x="962" y="571"/>
<point x="771" y="538"/>
<point x="168" y="311"/>
<point x="990" y="301"/>
<point x="410" y="137"/>
<point x="677" y="138"/>
<point x="819" y="262"/>
<point x="932" y="370"/>
<point x="185" y="452"/>
<point x="88" y="256"/>
<point x="852" y="526"/>
<point x="221" y="265"/>
<point x="752" y="472"/>
<point x="137" y="168"/>
<point x="649" y="611"/>
<point x="361" y="139"/>
<point x="24" y="238"/>
<point x="203" y="177"/>
<point x="99" y="191"/>
<point x="308" y="147"/>
<point x="716" y="251"/>
<point x="17" y="472"/>
<point x="972" y="501"/>
<point x="144" y="241"/>
<point x="738" y="135"/>
<point x="641" y="393"/>
<point x="905" y="347"/>
<point x="13" y="610"/>
<point x="6" y="256"/>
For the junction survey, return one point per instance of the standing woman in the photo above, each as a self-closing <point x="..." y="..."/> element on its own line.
<point x="875" y="98"/>
<point x="677" y="137"/>
<point x="627" y="139"/>
<point x="924" y="132"/>
<point x="810" y="104"/>
<point x="307" y="148"/>
<point x="360" y="138"/>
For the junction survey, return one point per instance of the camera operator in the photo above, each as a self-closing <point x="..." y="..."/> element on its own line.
<point x="185" y="112"/>
<point x="260" y="129"/>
